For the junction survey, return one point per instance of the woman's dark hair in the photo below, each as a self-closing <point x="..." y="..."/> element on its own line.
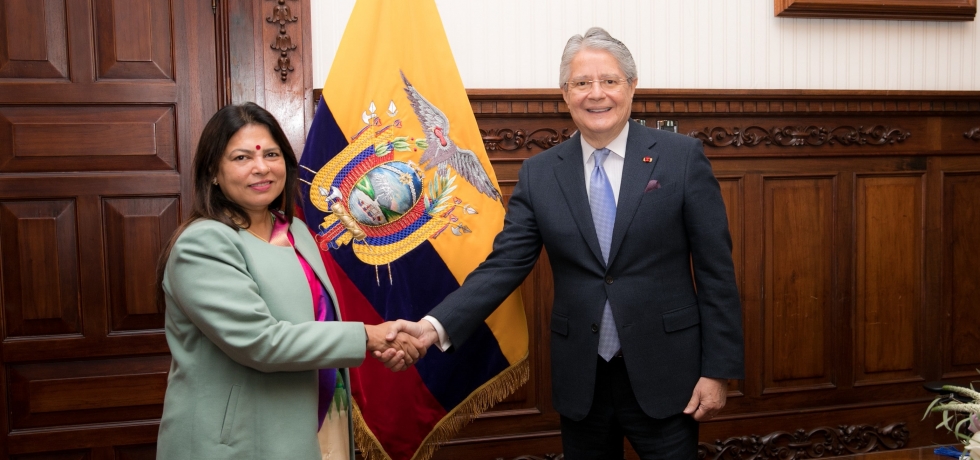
<point x="208" y="200"/>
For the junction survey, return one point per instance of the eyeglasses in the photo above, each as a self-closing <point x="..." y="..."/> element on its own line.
<point x="607" y="84"/>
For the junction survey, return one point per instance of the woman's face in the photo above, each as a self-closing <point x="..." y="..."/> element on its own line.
<point x="252" y="172"/>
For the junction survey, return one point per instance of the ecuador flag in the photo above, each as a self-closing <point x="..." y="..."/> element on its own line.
<point x="404" y="204"/>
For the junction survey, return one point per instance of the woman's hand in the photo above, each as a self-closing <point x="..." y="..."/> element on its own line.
<point x="398" y="354"/>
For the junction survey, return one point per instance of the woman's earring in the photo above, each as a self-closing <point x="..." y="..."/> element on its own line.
<point x="214" y="181"/>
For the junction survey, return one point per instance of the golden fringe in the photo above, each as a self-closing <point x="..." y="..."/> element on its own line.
<point x="369" y="445"/>
<point x="481" y="399"/>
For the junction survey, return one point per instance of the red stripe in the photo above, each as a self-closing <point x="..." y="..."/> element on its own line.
<point x="387" y="390"/>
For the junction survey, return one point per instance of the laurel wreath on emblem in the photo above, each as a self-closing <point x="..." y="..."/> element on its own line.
<point x="385" y="207"/>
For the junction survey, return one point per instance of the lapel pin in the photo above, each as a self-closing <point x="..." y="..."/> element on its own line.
<point x="647" y="159"/>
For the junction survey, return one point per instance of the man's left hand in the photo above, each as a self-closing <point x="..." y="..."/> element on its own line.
<point x="708" y="398"/>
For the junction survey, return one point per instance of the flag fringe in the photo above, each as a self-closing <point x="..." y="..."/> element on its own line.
<point x="484" y="397"/>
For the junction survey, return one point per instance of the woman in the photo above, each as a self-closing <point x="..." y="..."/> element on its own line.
<point x="251" y="317"/>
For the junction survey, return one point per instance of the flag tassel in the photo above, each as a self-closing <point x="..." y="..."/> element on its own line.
<point x="492" y="392"/>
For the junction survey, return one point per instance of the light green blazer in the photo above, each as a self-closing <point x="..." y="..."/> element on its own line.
<point x="245" y="346"/>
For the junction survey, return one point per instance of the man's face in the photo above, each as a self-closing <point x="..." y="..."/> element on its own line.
<point x="600" y="114"/>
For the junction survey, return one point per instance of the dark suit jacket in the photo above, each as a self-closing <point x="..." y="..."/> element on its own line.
<point x="671" y="333"/>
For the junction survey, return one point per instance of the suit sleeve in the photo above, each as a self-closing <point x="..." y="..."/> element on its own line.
<point x="722" y="345"/>
<point x="515" y="251"/>
<point x="208" y="280"/>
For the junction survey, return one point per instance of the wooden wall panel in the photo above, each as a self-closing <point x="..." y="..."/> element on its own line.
<point x="40" y="285"/>
<point x="839" y="206"/>
<point x="68" y="455"/>
<point x="799" y="291"/>
<point x="101" y="106"/>
<point x="961" y="219"/>
<point x="136" y="230"/>
<point x="91" y="138"/>
<point x="889" y="302"/>
<point x="98" y="391"/>
<point x="134" y="39"/>
<point x="30" y="46"/>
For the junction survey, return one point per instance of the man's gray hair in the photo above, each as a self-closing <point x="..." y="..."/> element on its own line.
<point x="596" y="38"/>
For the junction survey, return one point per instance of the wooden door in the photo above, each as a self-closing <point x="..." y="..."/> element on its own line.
<point x="101" y="103"/>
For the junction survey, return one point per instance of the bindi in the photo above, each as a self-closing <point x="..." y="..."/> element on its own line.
<point x="258" y="147"/>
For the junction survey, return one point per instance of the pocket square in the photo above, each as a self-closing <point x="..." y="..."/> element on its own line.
<point x="652" y="185"/>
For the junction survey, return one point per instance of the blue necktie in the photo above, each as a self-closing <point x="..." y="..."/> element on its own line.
<point x="603" y="203"/>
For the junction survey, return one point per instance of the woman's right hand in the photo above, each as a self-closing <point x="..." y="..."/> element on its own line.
<point x="398" y="354"/>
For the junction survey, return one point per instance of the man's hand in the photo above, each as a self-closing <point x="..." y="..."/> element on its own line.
<point x="422" y="330"/>
<point x="398" y="353"/>
<point x="708" y="398"/>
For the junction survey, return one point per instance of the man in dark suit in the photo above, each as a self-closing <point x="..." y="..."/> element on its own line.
<point x="639" y="347"/>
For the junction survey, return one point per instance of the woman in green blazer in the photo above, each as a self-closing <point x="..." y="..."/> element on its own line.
<point x="244" y="285"/>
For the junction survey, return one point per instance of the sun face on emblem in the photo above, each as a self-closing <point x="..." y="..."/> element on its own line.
<point x="385" y="193"/>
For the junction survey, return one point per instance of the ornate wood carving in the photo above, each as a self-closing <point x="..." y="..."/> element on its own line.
<point x="797" y="136"/>
<point x="973" y="134"/>
<point x="783" y="103"/>
<point x="282" y="15"/>
<point x="801" y="444"/>
<point x="509" y="140"/>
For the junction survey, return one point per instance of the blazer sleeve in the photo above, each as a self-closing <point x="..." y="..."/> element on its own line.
<point x="706" y="222"/>
<point x="208" y="280"/>
<point x="515" y="250"/>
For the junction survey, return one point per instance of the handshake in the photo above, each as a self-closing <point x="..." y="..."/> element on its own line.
<point x="400" y="344"/>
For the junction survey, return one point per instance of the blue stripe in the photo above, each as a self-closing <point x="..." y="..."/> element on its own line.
<point x="419" y="281"/>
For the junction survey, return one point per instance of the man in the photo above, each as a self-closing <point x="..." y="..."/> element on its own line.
<point x="639" y="347"/>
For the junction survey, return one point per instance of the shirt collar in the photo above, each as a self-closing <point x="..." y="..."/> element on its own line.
<point x="617" y="146"/>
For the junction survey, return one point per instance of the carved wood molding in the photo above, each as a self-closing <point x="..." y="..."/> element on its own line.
<point x="798" y="136"/>
<point x="509" y="140"/>
<point x="802" y="444"/>
<point x="282" y="15"/>
<point x="973" y="134"/>
<point x="654" y="102"/>
<point x="661" y="102"/>
<point x="919" y="10"/>
<point x="514" y="139"/>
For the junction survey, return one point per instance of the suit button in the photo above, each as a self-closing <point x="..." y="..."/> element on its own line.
<point x="609" y="280"/>
<point x="595" y="327"/>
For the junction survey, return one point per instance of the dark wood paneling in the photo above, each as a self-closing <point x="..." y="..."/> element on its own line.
<point x="136" y="231"/>
<point x="97" y="133"/>
<point x="137" y="452"/>
<point x="841" y="209"/>
<point x="962" y="219"/>
<point x="89" y="138"/>
<point x="69" y="455"/>
<point x="799" y="292"/>
<point x="98" y="391"/>
<point x="134" y="39"/>
<point x="33" y="40"/>
<point x="39" y="263"/>
<point x="888" y="294"/>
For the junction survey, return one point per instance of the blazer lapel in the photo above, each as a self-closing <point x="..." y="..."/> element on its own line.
<point x="636" y="173"/>
<point x="570" y="175"/>
<point x="312" y="255"/>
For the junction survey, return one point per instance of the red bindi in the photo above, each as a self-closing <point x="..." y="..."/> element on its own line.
<point x="258" y="147"/>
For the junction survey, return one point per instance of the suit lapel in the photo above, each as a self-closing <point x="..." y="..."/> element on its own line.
<point x="636" y="173"/>
<point x="570" y="175"/>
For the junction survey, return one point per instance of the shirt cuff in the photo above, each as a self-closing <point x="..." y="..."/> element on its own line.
<point x="444" y="342"/>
